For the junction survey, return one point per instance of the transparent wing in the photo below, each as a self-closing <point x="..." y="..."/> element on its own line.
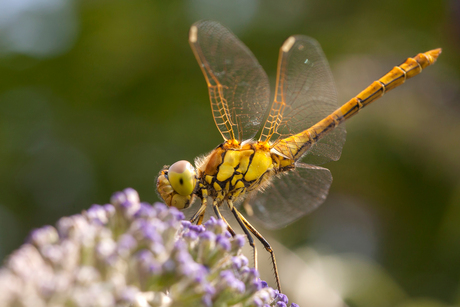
<point x="305" y="93"/>
<point x="238" y="86"/>
<point x="291" y="196"/>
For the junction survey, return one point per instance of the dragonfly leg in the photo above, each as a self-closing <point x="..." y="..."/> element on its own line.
<point x="246" y="231"/>
<point x="199" y="215"/>
<point x="221" y="217"/>
<point x="264" y="243"/>
<point x="200" y="219"/>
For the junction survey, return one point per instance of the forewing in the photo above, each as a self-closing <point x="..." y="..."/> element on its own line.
<point x="291" y="196"/>
<point x="238" y="86"/>
<point x="305" y="93"/>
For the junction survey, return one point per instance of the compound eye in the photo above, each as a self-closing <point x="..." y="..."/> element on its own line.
<point x="182" y="178"/>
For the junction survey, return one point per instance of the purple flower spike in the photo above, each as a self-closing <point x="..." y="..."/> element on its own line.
<point x="130" y="253"/>
<point x="281" y="304"/>
<point x="294" y="305"/>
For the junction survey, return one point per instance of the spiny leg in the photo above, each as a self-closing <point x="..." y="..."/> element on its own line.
<point x="246" y="231"/>
<point x="199" y="214"/>
<point x="264" y="243"/>
<point x="200" y="219"/>
<point x="221" y="217"/>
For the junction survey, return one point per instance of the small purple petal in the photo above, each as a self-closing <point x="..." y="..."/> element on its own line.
<point x="161" y="209"/>
<point x="117" y="199"/>
<point x="197" y="228"/>
<point x="145" y="211"/>
<point x="282" y="298"/>
<point x="150" y="232"/>
<point x="169" y="265"/>
<point x="211" y="222"/>
<point x="97" y="214"/>
<point x="206" y="300"/>
<point x="253" y="273"/>
<point x="178" y="215"/>
<point x="209" y="289"/>
<point x="109" y="210"/>
<point x="126" y="242"/>
<point x="237" y="263"/>
<point x="239" y="241"/>
<point x="154" y="268"/>
<point x="184" y="257"/>
<point x="256" y="285"/>
<point x="130" y="208"/>
<point x="229" y="279"/>
<point x="257" y="302"/>
<point x="42" y="236"/>
<point x="191" y="235"/>
<point x="129" y="295"/>
<point x="244" y="261"/>
<point x="222" y="225"/>
<point x="186" y="224"/>
<point x="223" y="242"/>
<point x="207" y="236"/>
<point x="131" y="195"/>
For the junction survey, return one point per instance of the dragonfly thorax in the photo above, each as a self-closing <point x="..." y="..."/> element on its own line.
<point x="230" y="171"/>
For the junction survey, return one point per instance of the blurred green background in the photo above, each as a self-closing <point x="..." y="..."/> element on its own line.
<point x="98" y="95"/>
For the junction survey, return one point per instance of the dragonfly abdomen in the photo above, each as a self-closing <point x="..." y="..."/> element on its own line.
<point x="295" y="146"/>
<point x="394" y="78"/>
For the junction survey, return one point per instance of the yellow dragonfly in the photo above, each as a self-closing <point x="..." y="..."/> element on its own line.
<point x="265" y="174"/>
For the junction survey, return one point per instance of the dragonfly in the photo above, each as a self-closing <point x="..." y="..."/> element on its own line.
<point x="259" y="167"/>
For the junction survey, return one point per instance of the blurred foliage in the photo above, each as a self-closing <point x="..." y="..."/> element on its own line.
<point x="98" y="95"/>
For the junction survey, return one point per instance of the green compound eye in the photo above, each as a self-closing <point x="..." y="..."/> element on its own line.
<point x="181" y="176"/>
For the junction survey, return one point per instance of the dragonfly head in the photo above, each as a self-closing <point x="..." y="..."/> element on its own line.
<point x="176" y="184"/>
